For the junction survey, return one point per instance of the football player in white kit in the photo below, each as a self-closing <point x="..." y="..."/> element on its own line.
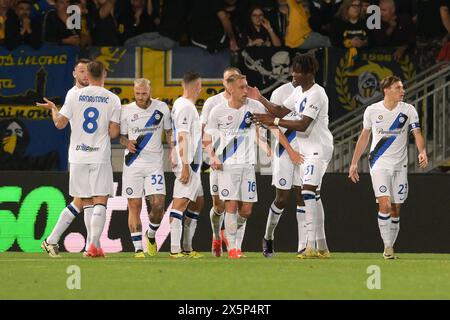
<point x="216" y="213"/>
<point x="236" y="157"/>
<point x="69" y="213"/>
<point x="285" y="176"/>
<point x="310" y="101"/>
<point x="141" y="125"/>
<point x="389" y="121"/>
<point x="94" y="113"/>
<point x="188" y="190"/>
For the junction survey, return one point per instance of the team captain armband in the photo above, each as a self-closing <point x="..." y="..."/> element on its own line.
<point x="414" y="125"/>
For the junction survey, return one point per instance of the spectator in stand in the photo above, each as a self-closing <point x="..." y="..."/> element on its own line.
<point x="299" y="33"/>
<point x="102" y="23"/>
<point x="279" y="19"/>
<point x="322" y="15"/>
<point x="21" y="29"/>
<point x="396" y="30"/>
<point x="210" y="26"/>
<point x="236" y="15"/>
<point x="259" y="32"/>
<point x="171" y="28"/>
<point x="40" y="8"/>
<point x="364" y="5"/>
<point x="5" y="12"/>
<point x="349" y="30"/>
<point x="55" y="29"/>
<point x="444" y="54"/>
<point x="141" y="17"/>
<point x="430" y="36"/>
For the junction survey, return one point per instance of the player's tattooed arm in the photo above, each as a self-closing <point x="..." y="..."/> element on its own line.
<point x="114" y="130"/>
<point x="129" y="144"/>
<point x="360" y="147"/>
<point x="420" y="143"/>
<point x="58" y="119"/>
<point x="272" y="108"/>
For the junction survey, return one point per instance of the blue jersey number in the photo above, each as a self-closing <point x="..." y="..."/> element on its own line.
<point x="403" y="191"/>
<point x="309" y="170"/>
<point x="90" y="120"/>
<point x="251" y="186"/>
<point x="157" y="179"/>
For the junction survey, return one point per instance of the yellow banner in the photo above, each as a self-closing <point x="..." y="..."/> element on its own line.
<point x="25" y="112"/>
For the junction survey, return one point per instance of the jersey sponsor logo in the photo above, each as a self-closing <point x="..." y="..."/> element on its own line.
<point x="86" y="148"/>
<point x="386" y="141"/>
<point x="143" y="140"/>
<point x="316" y="108"/>
<point x="383" y="189"/>
<point x="231" y="148"/>
<point x="98" y="99"/>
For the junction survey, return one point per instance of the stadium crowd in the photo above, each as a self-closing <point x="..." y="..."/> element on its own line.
<point x="234" y="24"/>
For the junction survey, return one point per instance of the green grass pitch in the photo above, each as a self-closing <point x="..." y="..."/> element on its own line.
<point x="121" y="276"/>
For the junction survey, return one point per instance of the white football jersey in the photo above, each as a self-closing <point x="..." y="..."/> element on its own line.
<point x="90" y="110"/>
<point x="210" y="103"/>
<point x="278" y="96"/>
<point x="317" y="141"/>
<point x="390" y="130"/>
<point x="236" y="131"/>
<point x="145" y="126"/>
<point x="185" y="118"/>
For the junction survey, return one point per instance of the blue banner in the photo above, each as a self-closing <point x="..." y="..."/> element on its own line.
<point x="27" y="75"/>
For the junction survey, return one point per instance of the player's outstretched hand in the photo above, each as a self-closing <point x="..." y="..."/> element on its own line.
<point x="131" y="146"/>
<point x="353" y="173"/>
<point x="48" y="105"/>
<point x="253" y="93"/>
<point x="263" y="118"/>
<point x="423" y="160"/>
<point x="296" y="157"/>
<point x="215" y="164"/>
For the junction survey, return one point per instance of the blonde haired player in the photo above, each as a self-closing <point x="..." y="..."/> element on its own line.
<point x="141" y="126"/>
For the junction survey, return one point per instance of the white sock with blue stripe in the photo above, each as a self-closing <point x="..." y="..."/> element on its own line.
<point x="176" y="230"/>
<point x="240" y="232"/>
<point x="309" y="197"/>
<point x="272" y="221"/>
<point x="151" y="233"/>
<point x="65" y="219"/>
<point x="87" y="212"/>
<point x="384" y="223"/>
<point x="395" y="228"/>
<point x="136" y="237"/>
<point x="302" y="231"/>
<point x="98" y="223"/>
<point x="189" y="227"/>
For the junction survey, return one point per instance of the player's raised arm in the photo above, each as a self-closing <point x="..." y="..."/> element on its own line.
<point x="59" y="120"/>
<point x="276" y="110"/>
<point x="420" y="143"/>
<point x="361" y="145"/>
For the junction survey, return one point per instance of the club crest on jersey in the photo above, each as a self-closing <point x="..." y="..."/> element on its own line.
<point x="129" y="191"/>
<point x="157" y="116"/>
<point x="225" y="192"/>
<point x="215" y="188"/>
<point x="383" y="189"/>
<point x="135" y="117"/>
<point x="282" y="182"/>
<point x="401" y="119"/>
<point x="380" y="117"/>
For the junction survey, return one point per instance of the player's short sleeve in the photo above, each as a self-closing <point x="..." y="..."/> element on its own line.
<point x="314" y="104"/>
<point x="116" y="108"/>
<point x="276" y="98"/>
<point x="124" y="121"/>
<point x="67" y="108"/>
<point x="258" y="107"/>
<point x="290" y="101"/>
<point x="414" y="122"/>
<point x="206" y="111"/>
<point x="212" y="125"/>
<point x="167" y="119"/>
<point x="183" y="119"/>
<point x="367" y="121"/>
